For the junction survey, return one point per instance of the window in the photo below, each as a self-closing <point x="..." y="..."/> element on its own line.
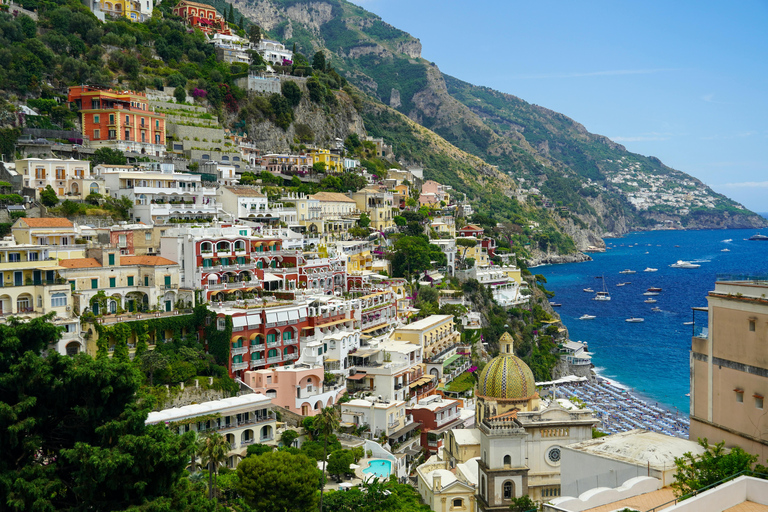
<point x="58" y="300"/>
<point x="111" y="118"/>
<point x="271" y="338"/>
<point x="33" y="256"/>
<point x="287" y="335"/>
<point x="122" y="240"/>
<point x="507" y="460"/>
<point x="14" y="256"/>
<point x="458" y="503"/>
<point x="111" y="282"/>
<point x="94" y="284"/>
<point x="111" y="259"/>
<point x="96" y="134"/>
<point x="739" y="395"/>
<point x="96" y="118"/>
<point x="758" y="401"/>
<point x="507" y="490"/>
<point x="148" y="236"/>
<point x="751" y="325"/>
<point x="130" y="280"/>
<point x="146" y="280"/>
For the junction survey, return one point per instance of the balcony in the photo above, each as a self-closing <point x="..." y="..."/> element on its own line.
<point x="274" y="359"/>
<point x="258" y="363"/>
<point x="292" y="341"/>
<point x="239" y="366"/>
<point x="291" y="357"/>
<point x="238" y="350"/>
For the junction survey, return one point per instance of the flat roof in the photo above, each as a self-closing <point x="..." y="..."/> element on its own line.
<point x="425" y="323"/>
<point x="212" y="407"/>
<point x="466" y="436"/>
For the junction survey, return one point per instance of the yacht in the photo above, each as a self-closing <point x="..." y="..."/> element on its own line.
<point x="587" y="317"/>
<point x="656" y="309"/>
<point x="686" y="264"/>
<point x="758" y="236"/>
<point x="627" y="271"/>
<point x="649" y="269"/>
<point x="650" y="301"/>
<point x="635" y="320"/>
<point x="603" y="295"/>
<point x="654" y="289"/>
<point x="651" y="293"/>
<point x="725" y="250"/>
<point x="555" y="304"/>
<point x="589" y="290"/>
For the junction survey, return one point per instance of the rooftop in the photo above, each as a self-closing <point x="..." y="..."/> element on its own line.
<point x="191" y="411"/>
<point x="466" y="436"/>
<point x="48" y="222"/>
<point x="331" y="196"/>
<point x="245" y="191"/>
<point x="426" y="323"/>
<point x="146" y="260"/>
<point x="80" y="263"/>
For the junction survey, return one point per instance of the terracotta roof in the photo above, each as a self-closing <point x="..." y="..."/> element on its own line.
<point x="245" y="191"/>
<point x="80" y="263"/>
<point x="48" y="222"/>
<point x="146" y="260"/>
<point x="331" y="196"/>
<point x="471" y="227"/>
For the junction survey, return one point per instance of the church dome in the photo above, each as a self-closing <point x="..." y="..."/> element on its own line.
<point x="506" y="376"/>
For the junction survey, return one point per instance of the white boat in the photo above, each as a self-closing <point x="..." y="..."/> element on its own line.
<point x="651" y="293"/>
<point x="589" y="290"/>
<point x="725" y="250"/>
<point x="728" y="240"/>
<point x="684" y="264"/>
<point x="649" y="269"/>
<point x="620" y="284"/>
<point x="687" y="323"/>
<point x="656" y="309"/>
<point x="627" y="271"/>
<point x="635" y="320"/>
<point x="650" y="301"/>
<point x="603" y="295"/>
<point x="587" y="317"/>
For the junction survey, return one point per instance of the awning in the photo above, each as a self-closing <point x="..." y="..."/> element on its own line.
<point x="293" y="314"/>
<point x="238" y="321"/>
<point x="364" y="352"/>
<point x="357" y="376"/>
<point x="270" y="277"/>
<point x="420" y="382"/>
<point x="380" y="326"/>
<point x="405" y="430"/>
<point x="282" y="316"/>
<point x="254" y="320"/>
<point x="302" y="312"/>
<point x="271" y="318"/>
<point x="335" y="322"/>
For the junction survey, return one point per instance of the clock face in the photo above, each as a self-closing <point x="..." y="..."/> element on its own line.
<point x="553" y="455"/>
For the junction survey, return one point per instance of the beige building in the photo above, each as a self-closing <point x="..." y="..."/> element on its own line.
<point x="378" y="205"/>
<point x="729" y="367"/>
<point x="447" y="489"/>
<point x="338" y="211"/>
<point x="435" y="334"/>
<point x="45" y="231"/>
<point x="128" y="283"/>
<point x="70" y="179"/>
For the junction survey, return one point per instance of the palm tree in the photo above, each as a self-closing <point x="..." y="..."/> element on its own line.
<point x="326" y="422"/>
<point x="213" y="451"/>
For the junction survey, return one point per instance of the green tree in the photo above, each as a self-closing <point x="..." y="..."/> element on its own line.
<point x="695" y="472"/>
<point x="72" y="431"/>
<point x="258" y="449"/>
<point x="108" y="156"/>
<point x="339" y="462"/>
<point x="413" y="255"/>
<point x="279" y="481"/>
<point x="231" y="14"/>
<point x="48" y="197"/>
<point x="327" y="422"/>
<point x="213" y="449"/>
<point x="254" y="34"/>
<point x="318" y="61"/>
<point x="400" y="220"/>
<point x="288" y="437"/>
<point x="151" y="362"/>
<point x="523" y="504"/>
<point x="291" y="91"/>
<point x="180" y="94"/>
<point x="364" y="221"/>
<point x="318" y="167"/>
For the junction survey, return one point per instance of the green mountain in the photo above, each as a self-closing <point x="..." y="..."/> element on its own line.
<point x="591" y="180"/>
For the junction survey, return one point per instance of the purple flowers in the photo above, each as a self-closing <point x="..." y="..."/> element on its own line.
<point x="199" y="93"/>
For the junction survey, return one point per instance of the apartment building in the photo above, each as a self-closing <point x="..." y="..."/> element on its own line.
<point x="729" y="365"/>
<point x="334" y="163"/>
<point x="437" y="415"/>
<point x="383" y="417"/>
<point x="338" y="210"/>
<point x="378" y="206"/>
<point x="300" y="389"/>
<point x="203" y="17"/>
<point x="53" y="231"/>
<point x="246" y="203"/>
<point x="70" y="179"/>
<point x="436" y="334"/>
<point x="120" y="120"/>
<point x="242" y="420"/>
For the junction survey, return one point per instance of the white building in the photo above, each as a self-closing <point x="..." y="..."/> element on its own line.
<point x="68" y="178"/>
<point x="274" y="52"/>
<point x="386" y="417"/>
<point x="245" y="202"/>
<point x="242" y="420"/>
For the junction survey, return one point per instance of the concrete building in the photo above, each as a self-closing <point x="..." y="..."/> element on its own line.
<point x="437" y="415"/>
<point x="242" y="420"/>
<point x="378" y="205"/>
<point x="120" y="120"/>
<point x="436" y="334"/>
<point x="70" y="179"/>
<point x="338" y="210"/>
<point x="246" y="203"/>
<point x="53" y="231"/>
<point x="445" y="488"/>
<point x="729" y="366"/>
<point x="202" y="16"/>
<point x="383" y="417"/>
<point x="300" y="389"/>
<point x="275" y="52"/>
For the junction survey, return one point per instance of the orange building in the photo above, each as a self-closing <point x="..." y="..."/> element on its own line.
<point x="202" y="16"/>
<point x="119" y="119"/>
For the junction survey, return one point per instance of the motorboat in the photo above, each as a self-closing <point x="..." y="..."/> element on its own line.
<point x="651" y="294"/>
<point x="555" y="304"/>
<point x="620" y="284"/>
<point x="686" y="264"/>
<point x="656" y="309"/>
<point x="635" y="320"/>
<point x="687" y="323"/>
<point x="654" y="289"/>
<point x="603" y="295"/>
<point x="728" y="240"/>
<point x="649" y="269"/>
<point x="758" y="236"/>
<point x="627" y="271"/>
<point x="587" y="317"/>
<point x="725" y="250"/>
<point x="589" y="290"/>
<point x="650" y="301"/>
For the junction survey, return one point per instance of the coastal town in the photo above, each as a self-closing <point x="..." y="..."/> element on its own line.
<point x="232" y="327"/>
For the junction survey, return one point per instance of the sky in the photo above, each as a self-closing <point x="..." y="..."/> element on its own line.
<point x="685" y="81"/>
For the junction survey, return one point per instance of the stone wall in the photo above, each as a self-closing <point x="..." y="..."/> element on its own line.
<point x="189" y="395"/>
<point x="259" y="84"/>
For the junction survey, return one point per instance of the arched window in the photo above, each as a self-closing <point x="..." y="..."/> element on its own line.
<point x="273" y="353"/>
<point x="507" y="460"/>
<point x="508" y="490"/>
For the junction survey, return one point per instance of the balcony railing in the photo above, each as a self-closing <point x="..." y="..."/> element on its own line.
<point x="239" y="366"/>
<point x="258" y="363"/>
<point x="239" y="350"/>
<point x="292" y="341"/>
<point x="274" y="359"/>
<point x="291" y="357"/>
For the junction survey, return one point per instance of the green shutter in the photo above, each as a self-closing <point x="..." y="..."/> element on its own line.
<point x="111" y="281"/>
<point x="111" y="259"/>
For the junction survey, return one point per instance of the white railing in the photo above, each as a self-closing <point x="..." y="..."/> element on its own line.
<point x="290" y="357"/>
<point x="239" y="350"/>
<point x="239" y="366"/>
<point x="258" y="363"/>
<point x="274" y="359"/>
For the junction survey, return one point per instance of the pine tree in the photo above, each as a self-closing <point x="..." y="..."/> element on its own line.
<point x="242" y="22"/>
<point x="231" y="15"/>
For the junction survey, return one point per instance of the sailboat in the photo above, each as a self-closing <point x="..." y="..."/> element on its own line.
<point x="603" y="295"/>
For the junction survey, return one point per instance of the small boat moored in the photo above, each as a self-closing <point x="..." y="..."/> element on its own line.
<point x="654" y="289"/>
<point x="587" y="317"/>
<point x="650" y="301"/>
<point x="635" y="320"/>
<point x="627" y="271"/>
<point x="589" y="290"/>
<point x="685" y="264"/>
<point x="649" y="269"/>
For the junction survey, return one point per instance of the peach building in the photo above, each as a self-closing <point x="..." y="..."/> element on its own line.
<point x="296" y="388"/>
<point x="202" y="16"/>
<point x="120" y="120"/>
<point x="729" y="366"/>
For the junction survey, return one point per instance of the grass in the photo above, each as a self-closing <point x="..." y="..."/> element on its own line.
<point x="462" y="383"/>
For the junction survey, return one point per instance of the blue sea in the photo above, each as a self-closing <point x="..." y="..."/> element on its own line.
<point x="651" y="357"/>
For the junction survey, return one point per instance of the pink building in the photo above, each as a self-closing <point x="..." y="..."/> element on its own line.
<point x="299" y="388"/>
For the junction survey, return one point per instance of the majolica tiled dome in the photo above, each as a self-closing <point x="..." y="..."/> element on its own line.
<point x="506" y="376"/>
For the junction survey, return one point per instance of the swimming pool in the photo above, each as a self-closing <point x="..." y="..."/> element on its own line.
<point x="381" y="468"/>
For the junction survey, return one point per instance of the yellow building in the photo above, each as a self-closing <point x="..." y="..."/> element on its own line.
<point x="446" y="489"/>
<point x="435" y="334"/>
<point x="358" y="253"/>
<point x="130" y="9"/>
<point x="478" y="252"/>
<point x="378" y="206"/>
<point x="44" y="231"/>
<point x="333" y="162"/>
